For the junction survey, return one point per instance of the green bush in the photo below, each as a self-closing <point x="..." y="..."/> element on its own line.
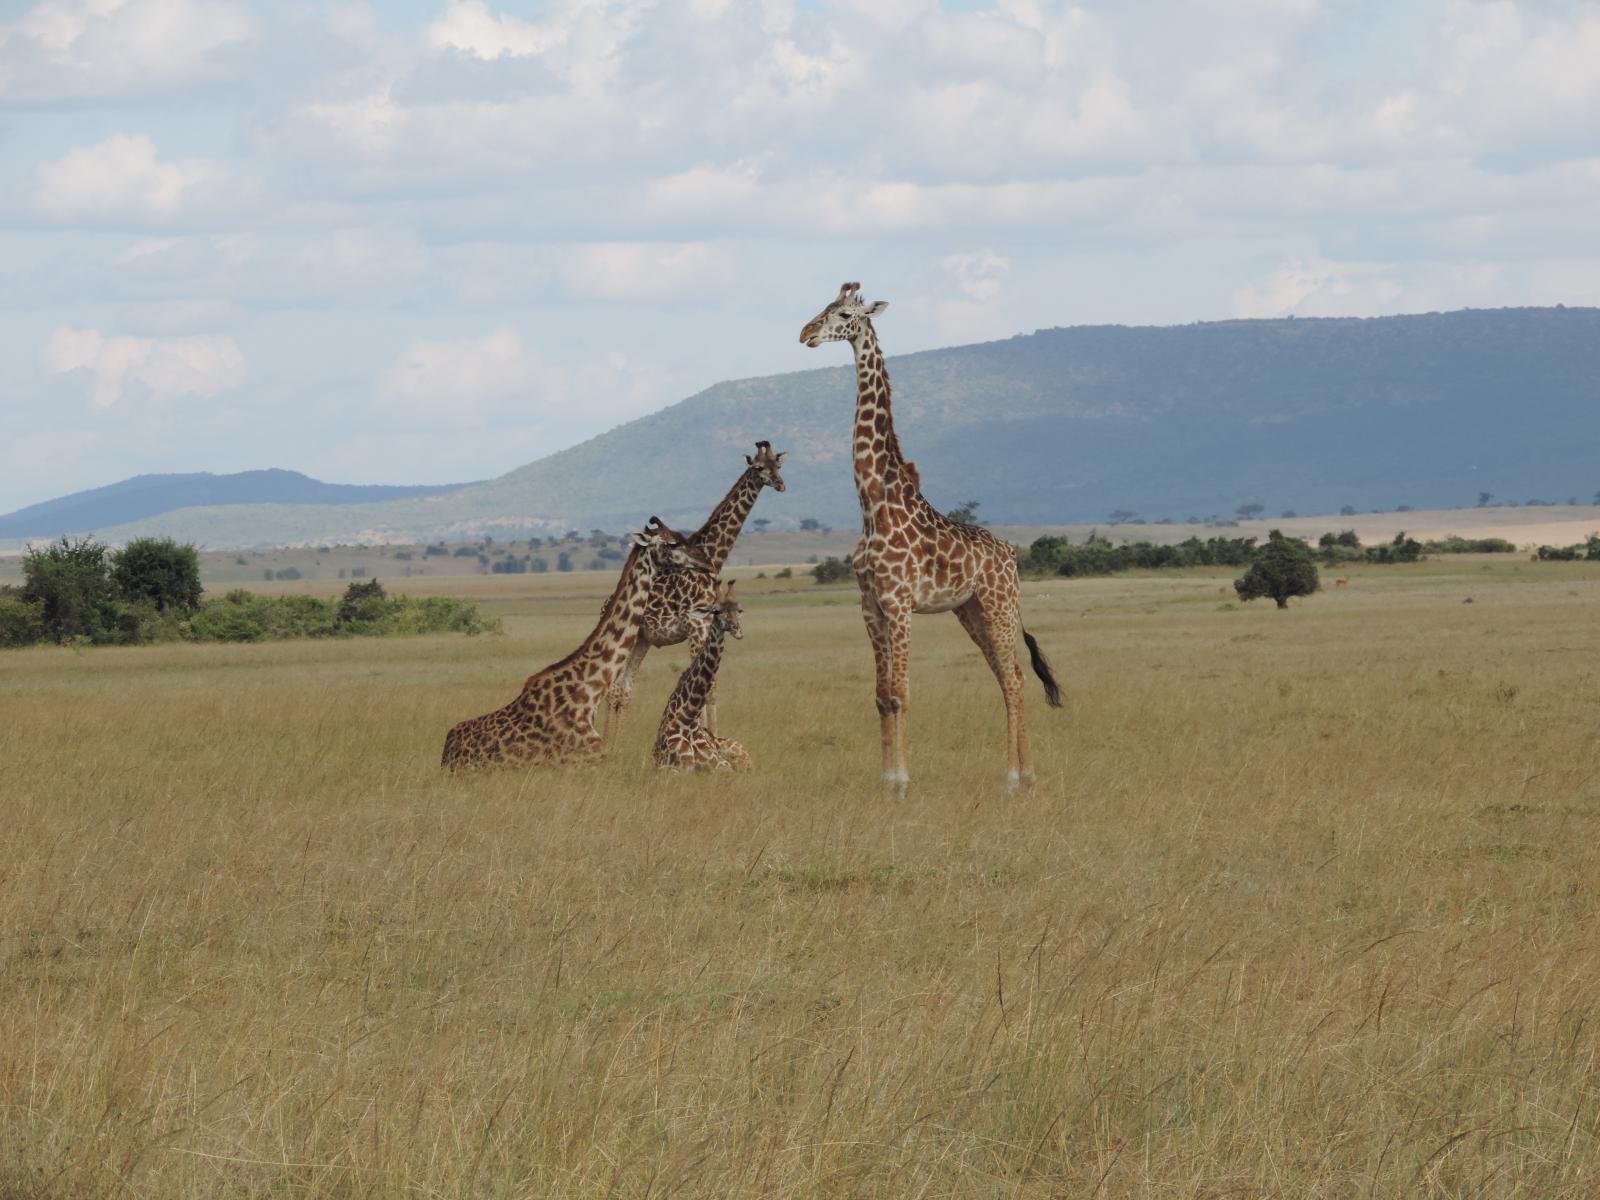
<point x="1052" y="555"/>
<point x="833" y="570"/>
<point x="21" y="621"/>
<point x="1589" y="551"/>
<point x="69" y="583"/>
<point x="1461" y="545"/>
<point x="158" y="571"/>
<point x="362" y="604"/>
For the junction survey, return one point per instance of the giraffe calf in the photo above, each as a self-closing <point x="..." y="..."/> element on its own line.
<point x="683" y="742"/>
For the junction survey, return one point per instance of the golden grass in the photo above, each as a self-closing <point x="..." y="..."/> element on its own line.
<point x="1302" y="906"/>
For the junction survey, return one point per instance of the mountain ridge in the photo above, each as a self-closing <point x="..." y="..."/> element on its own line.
<point x="152" y="495"/>
<point x="1070" y="424"/>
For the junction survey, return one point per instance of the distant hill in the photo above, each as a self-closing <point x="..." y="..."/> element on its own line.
<point x="1070" y="424"/>
<point x="145" y="496"/>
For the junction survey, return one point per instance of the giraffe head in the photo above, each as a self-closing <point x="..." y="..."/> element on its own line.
<point x="671" y="547"/>
<point x="765" y="464"/>
<point x="729" y="611"/>
<point x="843" y="320"/>
<point x="720" y="613"/>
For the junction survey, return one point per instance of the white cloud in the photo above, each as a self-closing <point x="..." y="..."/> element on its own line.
<point x="168" y="367"/>
<point x="63" y="50"/>
<point x="461" y="373"/>
<point x="472" y="381"/>
<point x="646" y="271"/>
<point x="121" y="178"/>
<point x="469" y="26"/>
<point x="979" y="275"/>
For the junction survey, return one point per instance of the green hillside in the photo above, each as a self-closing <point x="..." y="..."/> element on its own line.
<point x="1070" y="424"/>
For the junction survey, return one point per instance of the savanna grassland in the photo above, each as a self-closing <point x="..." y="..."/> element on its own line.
<point x="1304" y="905"/>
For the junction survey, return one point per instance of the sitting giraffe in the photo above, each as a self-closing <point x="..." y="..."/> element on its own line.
<point x="914" y="559"/>
<point x="682" y="741"/>
<point x="675" y="592"/>
<point x="553" y="719"/>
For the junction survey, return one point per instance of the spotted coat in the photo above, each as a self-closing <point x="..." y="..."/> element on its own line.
<point x="913" y="559"/>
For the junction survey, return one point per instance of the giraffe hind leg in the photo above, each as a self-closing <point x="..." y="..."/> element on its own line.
<point x="993" y="628"/>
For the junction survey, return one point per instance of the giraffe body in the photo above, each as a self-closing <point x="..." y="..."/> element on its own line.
<point x="677" y="591"/>
<point x="553" y="718"/>
<point x="914" y="559"/>
<point x="682" y="741"/>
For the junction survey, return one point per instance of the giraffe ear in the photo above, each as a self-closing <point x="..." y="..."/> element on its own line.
<point x="748" y="461"/>
<point x="876" y="307"/>
<point x="782" y="454"/>
<point x="639" y="539"/>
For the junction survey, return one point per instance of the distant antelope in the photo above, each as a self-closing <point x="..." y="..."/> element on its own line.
<point x="1340" y="582"/>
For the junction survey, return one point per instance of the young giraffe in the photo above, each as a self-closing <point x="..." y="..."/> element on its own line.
<point x="675" y="592"/>
<point x="682" y="741"/>
<point x="553" y="719"/>
<point x="914" y="559"/>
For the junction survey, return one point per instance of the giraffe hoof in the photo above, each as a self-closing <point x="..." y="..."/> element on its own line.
<point x="1013" y="781"/>
<point x="896" y="781"/>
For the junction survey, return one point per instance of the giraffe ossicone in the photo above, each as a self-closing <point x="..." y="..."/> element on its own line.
<point x="553" y="717"/>
<point x="914" y="559"/>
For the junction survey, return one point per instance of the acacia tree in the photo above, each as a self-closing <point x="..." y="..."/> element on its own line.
<point x="1283" y="568"/>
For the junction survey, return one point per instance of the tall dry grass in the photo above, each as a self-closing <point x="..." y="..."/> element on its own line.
<point x="1303" y="905"/>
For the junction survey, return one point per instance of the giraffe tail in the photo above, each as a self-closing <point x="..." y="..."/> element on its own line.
<point x="1041" y="668"/>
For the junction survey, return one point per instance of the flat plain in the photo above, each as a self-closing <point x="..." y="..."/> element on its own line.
<point x="1303" y="905"/>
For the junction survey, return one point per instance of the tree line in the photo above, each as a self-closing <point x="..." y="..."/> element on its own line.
<point x="78" y="590"/>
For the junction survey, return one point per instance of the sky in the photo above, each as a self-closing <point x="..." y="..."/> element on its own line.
<point x="431" y="240"/>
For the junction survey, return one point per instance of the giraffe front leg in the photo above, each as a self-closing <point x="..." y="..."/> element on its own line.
<point x="899" y="627"/>
<point x="620" y="694"/>
<point x="878" y="634"/>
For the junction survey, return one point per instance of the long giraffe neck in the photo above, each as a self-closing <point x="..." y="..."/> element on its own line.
<point x="875" y="447"/>
<point x="601" y="655"/>
<point x="694" y="685"/>
<point x="716" y="537"/>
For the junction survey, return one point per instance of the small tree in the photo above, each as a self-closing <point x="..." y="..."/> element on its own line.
<point x="809" y="524"/>
<point x="761" y="524"/>
<point x="363" y="603"/>
<point x="69" y="583"/>
<point x="1485" y="497"/>
<point x="1119" y="515"/>
<point x="159" y="571"/>
<point x="1248" y="511"/>
<point x="1283" y="568"/>
<point x="964" y="514"/>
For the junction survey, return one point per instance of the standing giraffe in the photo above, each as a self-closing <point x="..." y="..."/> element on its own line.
<point x="682" y="741"/>
<point x="914" y="559"/>
<point x="677" y="591"/>
<point x="553" y="719"/>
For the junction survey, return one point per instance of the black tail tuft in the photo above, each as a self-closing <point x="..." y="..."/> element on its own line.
<point x="1041" y="668"/>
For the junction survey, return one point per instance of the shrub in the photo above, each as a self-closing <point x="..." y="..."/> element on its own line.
<point x="69" y="583"/>
<point x="786" y="573"/>
<point x="362" y="604"/>
<point x="1402" y="550"/>
<point x="1283" y="568"/>
<point x="833" y="570"/>
<point x="287" y="573"/>
<point x="160" y="571"/>
<point x="21" y="621"/>
<point x="1461" y="545"/>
